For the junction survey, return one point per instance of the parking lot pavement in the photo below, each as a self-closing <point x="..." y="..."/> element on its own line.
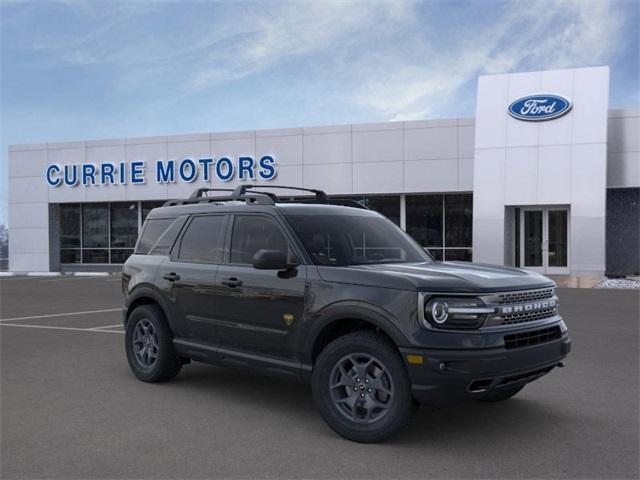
<point x="70" y="408"/>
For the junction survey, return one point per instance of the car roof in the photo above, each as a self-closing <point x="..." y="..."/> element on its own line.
<point x="323" y="209"/>
<point x="285" y="208"/>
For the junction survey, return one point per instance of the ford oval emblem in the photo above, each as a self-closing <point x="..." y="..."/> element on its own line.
<point x="536" y="108"/>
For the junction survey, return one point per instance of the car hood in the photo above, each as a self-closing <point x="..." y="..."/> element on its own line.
<point x="456" y="277"/>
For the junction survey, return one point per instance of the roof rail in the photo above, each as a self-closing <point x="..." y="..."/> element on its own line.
<point x="247" y="194"/>
<point x="321" y="197"/>
<point x="200" y="192"/>
<point x="260" y="198"/>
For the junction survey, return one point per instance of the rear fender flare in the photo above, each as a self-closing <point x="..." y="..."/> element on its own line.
<point x="146" y="291"/>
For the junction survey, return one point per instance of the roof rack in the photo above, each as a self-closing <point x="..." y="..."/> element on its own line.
<point x="321" y="196"/>
<point x="248" y="195"/>
<point x="200" y="192"/>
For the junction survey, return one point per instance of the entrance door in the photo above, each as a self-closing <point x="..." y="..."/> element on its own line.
<point x="543" y="239"/>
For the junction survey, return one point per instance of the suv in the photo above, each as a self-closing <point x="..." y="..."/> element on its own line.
<point x="334" y="295"/>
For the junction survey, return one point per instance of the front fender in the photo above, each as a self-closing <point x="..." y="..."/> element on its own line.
<point x="353" y="310"/>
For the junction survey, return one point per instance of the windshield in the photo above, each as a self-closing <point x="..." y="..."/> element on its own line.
<point x="341" y="240"/>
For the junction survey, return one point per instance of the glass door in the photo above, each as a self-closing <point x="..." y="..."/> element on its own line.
<point x="557" y="240"/>
<point x="544" y="239"/>
<point x="533" y="239"/>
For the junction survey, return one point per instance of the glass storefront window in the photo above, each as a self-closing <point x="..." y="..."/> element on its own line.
<point x="95" y="255"/>
<point x="120" y="255"/>
<point x="99" y="232"/>
<point x="107" y="232"/>
<point x="68" y="255"/>
<point x="387" y="205"/>
<point x="458" y="213"/>
<point x="95" y="225"/>
<point x="69" y="225"/>
<point x="442" y="224"/>
<point x="124" y="225"/>
<point x="457" y="254"/>
<point x="424" y="219"/>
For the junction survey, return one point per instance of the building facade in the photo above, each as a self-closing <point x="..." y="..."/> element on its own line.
<point x="545" y="177"/>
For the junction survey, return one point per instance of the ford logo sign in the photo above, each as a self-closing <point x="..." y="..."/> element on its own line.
<point x="536" y="108"/>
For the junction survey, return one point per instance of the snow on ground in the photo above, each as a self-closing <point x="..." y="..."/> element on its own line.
<point x="618" y="283"/>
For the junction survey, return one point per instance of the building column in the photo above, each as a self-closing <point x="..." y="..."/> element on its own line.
<point x="403" y="212"/>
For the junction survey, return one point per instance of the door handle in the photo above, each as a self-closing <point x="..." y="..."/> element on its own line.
<point x="172" y="277"/>
<point x="232" y="282"/>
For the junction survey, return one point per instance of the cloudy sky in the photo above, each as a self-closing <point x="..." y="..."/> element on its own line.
<point x="80" y="70"/>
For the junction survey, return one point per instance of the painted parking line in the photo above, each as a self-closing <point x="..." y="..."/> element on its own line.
<point x="71" y="278"/>
<point x="52" y="315"/>
<point x="106" y="326"/>
<point x="48" y="327"/>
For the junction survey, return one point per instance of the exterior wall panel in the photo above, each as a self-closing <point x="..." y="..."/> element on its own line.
<point x="511" y="166"/>
<point x="568" y="161"/>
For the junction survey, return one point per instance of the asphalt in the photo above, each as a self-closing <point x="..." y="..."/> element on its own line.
<point x="70" y="408"/>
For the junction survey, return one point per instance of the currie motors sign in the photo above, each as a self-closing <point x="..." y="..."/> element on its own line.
<point x="187" y="170"/>
<point x="537" y="108"/>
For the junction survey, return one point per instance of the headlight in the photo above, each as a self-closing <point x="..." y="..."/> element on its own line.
<point x="455" y="312"/>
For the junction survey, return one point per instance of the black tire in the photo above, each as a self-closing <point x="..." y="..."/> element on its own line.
<point x="339" y="405"/>
<point x="158" y="343"/>
<point x="501" y="394"/>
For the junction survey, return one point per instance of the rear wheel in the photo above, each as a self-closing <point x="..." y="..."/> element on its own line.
<point x="149" y="345"/>
<point x="361" y="387"/>
<point x="501" y="394"/>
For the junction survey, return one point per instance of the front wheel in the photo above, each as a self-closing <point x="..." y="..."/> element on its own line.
<point x="361" y="387"/>
<point x="149" y="345"/>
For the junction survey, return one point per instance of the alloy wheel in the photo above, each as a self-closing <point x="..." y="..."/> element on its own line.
<point x="145" y="343"/>
<point x="361" y="388"/>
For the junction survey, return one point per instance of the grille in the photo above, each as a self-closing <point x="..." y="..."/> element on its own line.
<point x="534" y="337"/>
<point x="525" y="295"/>
<point x="528" y="317"/>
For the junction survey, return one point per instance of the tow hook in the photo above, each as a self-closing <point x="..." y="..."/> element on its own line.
<point x="560" y="365"/>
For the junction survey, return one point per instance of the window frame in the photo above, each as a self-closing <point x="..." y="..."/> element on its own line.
<point x="301" y="259"/>
<point x="145" y="225"/>
<point x="444" y="247"/>
<point x="174" y="254"/>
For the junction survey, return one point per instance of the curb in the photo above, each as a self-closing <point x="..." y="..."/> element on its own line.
<point x="91" y="274"/>
<point x="58" y="274"/>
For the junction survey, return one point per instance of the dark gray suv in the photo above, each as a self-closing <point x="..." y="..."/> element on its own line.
<point x="337" y="296"/>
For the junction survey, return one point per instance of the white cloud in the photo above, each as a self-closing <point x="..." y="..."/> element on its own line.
<point x="295" y="30"/>
<point x="385" y="56"/>
<point x="528" y="36"/>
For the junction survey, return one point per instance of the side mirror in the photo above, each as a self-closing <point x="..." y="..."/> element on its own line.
<point x="270" y="260"/>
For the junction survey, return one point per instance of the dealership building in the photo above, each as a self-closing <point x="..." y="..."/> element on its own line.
<point x="545" y="177"/>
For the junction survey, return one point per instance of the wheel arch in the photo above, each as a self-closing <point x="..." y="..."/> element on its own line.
<point x="343" y="319"/>
<point x="145" y="296"/>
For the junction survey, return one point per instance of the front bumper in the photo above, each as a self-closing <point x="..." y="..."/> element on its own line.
<point x="449" y="377"/>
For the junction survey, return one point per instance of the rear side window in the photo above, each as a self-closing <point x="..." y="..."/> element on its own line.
<point x="203" y="241"/>
<point x="151" y="232"/>
<point x="167" y="239"/>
